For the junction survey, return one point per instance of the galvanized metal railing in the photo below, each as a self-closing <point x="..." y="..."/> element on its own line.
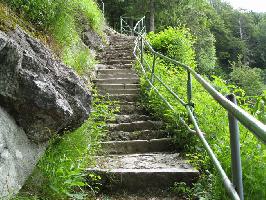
<point x="139" y="27"/>
<point x="234" y="188"/>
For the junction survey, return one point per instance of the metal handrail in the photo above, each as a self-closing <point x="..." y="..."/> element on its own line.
<point x="235" y="112"/>
<point x="250" y="122"/>
<point x="140" y="26"/>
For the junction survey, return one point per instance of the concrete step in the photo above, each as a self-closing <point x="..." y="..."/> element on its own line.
<point x="118" y="75"/>
<point x="117" y="86"/>
<point x="130" y="118"/>
<point x="116" y="66"/>
<point x="110" y="57"/>
<point x="138" y="146"/>
<point x="118" y="62"/>
<point x="116" y="71"/>
<point x="142" y="172"/>
<point x="116" y="53"/>
<point x="125" y="48"/>
<point x="126" y="108"/>
<point x="136" y="126"/>
<point x="117" y="81"/>
<point x="119" y="91"/>
<point x="137" y="135"/>
<point x="124" y="97"/>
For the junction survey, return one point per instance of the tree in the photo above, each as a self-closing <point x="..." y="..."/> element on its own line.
<point x="249" y="79"/>
<point x="152" y="15"/>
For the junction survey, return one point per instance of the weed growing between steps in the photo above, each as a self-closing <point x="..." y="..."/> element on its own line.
<point x="60" y="174"/>
<point x="64" y="21"/>
<point x="212" y="119"/>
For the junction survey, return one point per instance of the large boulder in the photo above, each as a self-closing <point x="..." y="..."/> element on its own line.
<point x="42" y="94"/>
<point x="18" y="155"/>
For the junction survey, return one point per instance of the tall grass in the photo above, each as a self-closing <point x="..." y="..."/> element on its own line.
<point x="64" y="21"/>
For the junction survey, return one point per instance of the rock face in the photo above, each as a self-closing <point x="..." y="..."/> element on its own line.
<point x="42" y="94"/>
<point x="92" y="39"/>
<point x="18" y="155"/>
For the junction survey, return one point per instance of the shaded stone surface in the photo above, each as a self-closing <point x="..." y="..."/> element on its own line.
<point x="92" y="39"/>
<point x="139" y="172"/>
<point x="42" y="94"/>
<point x="18" y="155"/>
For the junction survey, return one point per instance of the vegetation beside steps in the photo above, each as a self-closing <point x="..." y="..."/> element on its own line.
<point x="60" y="174"/>
<point x="59" y="24"/>
<point x="212" y="119"/>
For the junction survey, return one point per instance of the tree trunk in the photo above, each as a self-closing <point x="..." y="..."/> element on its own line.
<point x="152" y="14"/>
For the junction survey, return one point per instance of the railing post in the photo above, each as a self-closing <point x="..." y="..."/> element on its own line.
<point x="141" y="50"/>
<point x="153" y="68"/>
<point x="189" y="88"/>
<point x="121" y="25"/>
<point x="235" y="151"/>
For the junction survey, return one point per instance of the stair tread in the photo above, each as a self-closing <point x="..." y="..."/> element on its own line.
<point x="138" y="146"/>
<point x="147" y="162"/>
<point x="130" y="118"/>
<point x="136" y="126"/>
<point x="137" y="135"/>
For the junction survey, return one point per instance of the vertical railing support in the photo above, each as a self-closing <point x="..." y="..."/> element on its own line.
<point x="235" y="151"/>
<point x="121" y="25"/>
<point x="189" y="88"/>
<point x="153" y="68"/>
<point x="141" y="50"/>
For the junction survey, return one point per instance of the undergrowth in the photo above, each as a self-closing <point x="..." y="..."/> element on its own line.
<point x="63" y="21"/>
<point x="211" y="117"/>
<point x="61" y="174"/>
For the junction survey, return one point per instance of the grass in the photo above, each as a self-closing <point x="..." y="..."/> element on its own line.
<point x="62" y="22"/>
<point x="60" y="174"/>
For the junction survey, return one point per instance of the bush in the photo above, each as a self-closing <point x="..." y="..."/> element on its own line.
<point x="176" y="43"/>
<point x="63" y="20"/>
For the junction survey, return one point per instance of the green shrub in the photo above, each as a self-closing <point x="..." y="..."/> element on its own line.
<point x="176" y="43"/>
<point x="63" y="20"/>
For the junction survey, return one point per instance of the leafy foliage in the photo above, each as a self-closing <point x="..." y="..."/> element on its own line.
<point x="213" y="121"/>
<point x="176" y="43"/>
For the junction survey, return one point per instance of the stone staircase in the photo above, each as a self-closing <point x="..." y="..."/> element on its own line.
<point x="139" y="155"/>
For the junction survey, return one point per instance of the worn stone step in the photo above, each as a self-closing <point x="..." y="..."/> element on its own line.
<point x="136" y="126"/>
<point x="137" y="135"/>
<point x="124" y="97"/>
<point x="116" y="66"/>
<point x="138" y="146"/>
<point x="126" y="108"/>
<point x="115" y="71"/>
<point x="117" y="81"/>
<point x="119" y="62"/>
<point x="130" y="118"/>
<point x="117" y="75"/>
<point x="119" y="91"/>
<point x="110" y="57"/>
<point x="142" y="172"/>
<point x="117" y="53"/>
<point x="128" y="46"/>
<point x="117" y="86"/>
